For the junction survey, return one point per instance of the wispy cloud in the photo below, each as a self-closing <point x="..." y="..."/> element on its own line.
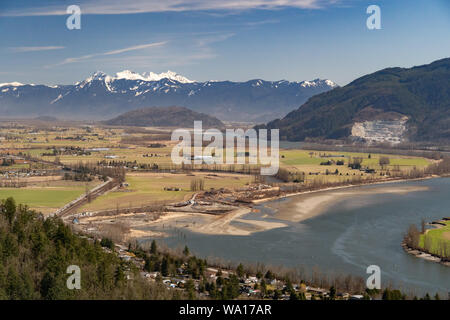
<point x="133" y="48"/>
<point x="109" y="53"/>
<point x="197" y="48"/>
<point x="155" y="61"/>
<point x="212" y="37"/>
<point x="34" y="49"/>
<point x="175" y="52"/>
<point x="143" y="6"/>
<point x="262" y="22"/>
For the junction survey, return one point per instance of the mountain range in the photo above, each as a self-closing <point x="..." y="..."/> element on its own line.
<point x="101" y="96"/>
<point x="391" y="105"/>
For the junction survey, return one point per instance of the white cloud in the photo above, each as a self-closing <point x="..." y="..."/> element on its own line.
<point x="33" y="49"/>
<point x="111" y="52"/>
<point x="143" y="6"/>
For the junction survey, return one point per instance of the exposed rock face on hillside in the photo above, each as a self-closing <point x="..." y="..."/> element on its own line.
<point x="378" y="131"/>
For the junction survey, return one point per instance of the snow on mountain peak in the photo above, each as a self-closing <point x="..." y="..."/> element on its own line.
<point x="11" y="84"/>
<point x="129" y="75"/>
<point x="166" y="75"/>
<point x="331" y="83"/>
<point x="318" y="82"/>
<point x="98" y="75"/>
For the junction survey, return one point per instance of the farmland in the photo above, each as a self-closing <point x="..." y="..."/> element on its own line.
<point x="299" y="158"/>
<point x="322" y="165"/>
<point x="32" y="149"/>
<point x="46" y="197"/>
<point x="147" y="188"/>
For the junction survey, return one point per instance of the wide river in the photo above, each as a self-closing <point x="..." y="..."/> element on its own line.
<point x="363" y="230"/>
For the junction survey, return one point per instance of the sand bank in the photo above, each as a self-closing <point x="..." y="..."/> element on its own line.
<point x="308" y="205"/>
<point x="226" y="224"/>
<point x="223" y="224"/>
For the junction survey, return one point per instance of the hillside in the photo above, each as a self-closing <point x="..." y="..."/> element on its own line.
<point x="164" y="117"/>
<point x="35" y="254"/>
<point x="393" y="104"/>
<point x="254" y="100"/>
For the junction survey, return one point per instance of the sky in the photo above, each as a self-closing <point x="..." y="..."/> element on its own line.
<point x="235" y="40"/>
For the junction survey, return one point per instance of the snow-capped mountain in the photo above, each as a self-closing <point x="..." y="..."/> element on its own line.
<point x="101" y="96"/>
<point x="131" y="75"/>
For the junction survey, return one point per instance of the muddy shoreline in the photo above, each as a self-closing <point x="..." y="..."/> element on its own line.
<point x="424" y="255"/>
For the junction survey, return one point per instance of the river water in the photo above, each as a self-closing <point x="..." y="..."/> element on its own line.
<point x="363" y="230"/>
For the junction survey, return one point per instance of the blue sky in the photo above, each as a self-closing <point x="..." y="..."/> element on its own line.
<point x="219" y="40"/>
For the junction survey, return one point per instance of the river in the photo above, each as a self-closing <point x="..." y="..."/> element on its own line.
<point x="363" y="230"/>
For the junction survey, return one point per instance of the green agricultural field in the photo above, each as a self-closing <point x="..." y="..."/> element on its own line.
<point x="437" y="238"/>
<point x="308" y="161"/>
<point x="148" y="188"/>
<point x="42" y="199"/>
<point x="121" y="154"/>
<point x="310" y="157"/>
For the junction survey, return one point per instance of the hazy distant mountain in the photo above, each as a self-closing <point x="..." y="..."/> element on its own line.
<point x="164" y="117"/>
<point x="101" y="96"/>
<point x="46" y="118"/>
<point x="393" y="104"/>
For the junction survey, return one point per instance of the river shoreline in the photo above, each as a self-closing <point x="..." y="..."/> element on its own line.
<point x="313" y="204"/>
<point x="424" y="255"/>
<point x="342" y="240"/>
<point x="243" y="219"/>
<point x="418" y="253"/>
<point x="259" y="201"/>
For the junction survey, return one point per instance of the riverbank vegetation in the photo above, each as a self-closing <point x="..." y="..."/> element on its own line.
<point x="434" y="241"/>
